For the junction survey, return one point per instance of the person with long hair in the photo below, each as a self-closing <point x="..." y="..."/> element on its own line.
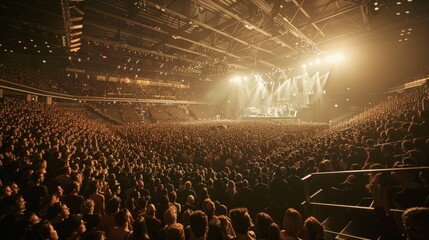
<point x="262" y="225"/>
<point x="231" y="195"/>
<point x="94" y="193"/>
<point x="292" y="225"/>
<point x="274" y="232"/>
<point x="123" y="228"/>
<point x="313" y="229"/>
<point x="226" y="226"/>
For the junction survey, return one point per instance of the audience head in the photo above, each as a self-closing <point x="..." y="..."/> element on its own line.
<point x="87" y="207"/>
<point x="113" y="205"/>
<point x="139" y="229"/>
<point x="416" y="223"/>
<point x="313" y="230"/>
<point x="292" y="222"/>
<point x="43" y="231"/>
<point x="262" y="224"/>
<point x="199" y="224"/>
<point x="241" y="220"/>
<point x="151" y="210"/>
<point x="73" y="226"/>
<point x="175" y="232"/>
<point x="273" y="232"/>
<point x="57" y="211"/>
<point x="186" y="217"/>
<point x="215" y="231"/>
<point x="190" y="200"/>
<point x="94" y="235"/>
<point x="15" y="204"/>
<point x="122" y="217"/>
<point x="170" y="215"/>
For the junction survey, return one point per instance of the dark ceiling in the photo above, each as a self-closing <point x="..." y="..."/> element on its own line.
<point x="197" y="39"/>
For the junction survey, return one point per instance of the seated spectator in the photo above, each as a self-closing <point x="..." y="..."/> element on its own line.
<point x="112" y="208"/>
<point x="93" y="190"/>
<point x="199" y="225"/>
<point x="87" y="210"/>
<point x="35" y="192"/>
<point x="93" y="235"/>
<point x="175" y="231"/>
<point x="72" y="197"/>
<point x="416" y="223"/>
<point x="139" y="230"/>
<point x="241" y="222"/>
<point x="172" y="196"/>
<point x="262" y="225"/>
<point x="170" y="217"/>
<point x="313" y="230"/>
<point x="73" y="227"/>
<point x="42" y="231"/>
<point x="292" y="225"/>
<point x="122" y="229"/>
<point x="227" y="228"/>
<point x="274" y="232"/>
<point x="215" y="231"/>
<point x="57" y="213"/>
<point x="20" y="228"/>
<point x="153" y="224"/>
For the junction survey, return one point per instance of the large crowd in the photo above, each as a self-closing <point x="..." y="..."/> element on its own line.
<point x="81" y="86"/>
<point x="65" y="176"/>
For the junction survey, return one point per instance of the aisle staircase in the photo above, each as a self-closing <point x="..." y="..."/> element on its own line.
<point x="344" y="220"/>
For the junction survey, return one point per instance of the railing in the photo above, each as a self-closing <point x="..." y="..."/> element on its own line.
<point x="309" y="196"/>
<point x="400" y="141"/>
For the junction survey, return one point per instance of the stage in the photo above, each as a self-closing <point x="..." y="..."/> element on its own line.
<point x="259" y="118"/>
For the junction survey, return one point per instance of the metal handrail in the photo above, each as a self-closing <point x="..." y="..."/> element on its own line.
<point x="346" y="235"/>
<point x="307" y="202"/>
<point x="399" y="141"/>
<point x="350" y="206"/>
<point x="368" y="171"/>
<point x="312" y="196"/>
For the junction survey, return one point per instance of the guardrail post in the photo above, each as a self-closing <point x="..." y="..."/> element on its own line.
<point x="306" y="180"/>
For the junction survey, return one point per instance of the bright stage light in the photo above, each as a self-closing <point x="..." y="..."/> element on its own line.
<point x="339" y="57"/>
<point x="328" y="59"/>
<point x="304" y="66"/>
<point x="318" y="61"/>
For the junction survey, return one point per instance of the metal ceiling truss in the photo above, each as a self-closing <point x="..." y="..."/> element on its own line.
<point x="228" y="34"/>
<point x="196" y="35"/>
<point x="206" y="26"/>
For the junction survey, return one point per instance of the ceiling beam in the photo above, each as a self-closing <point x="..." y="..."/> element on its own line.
<point x="307" y="15"/>
<point x="217" y="7"/>
<point x="336" y="13"/>
<point x="107" y="14"/>
<point x="199" y="23"/>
